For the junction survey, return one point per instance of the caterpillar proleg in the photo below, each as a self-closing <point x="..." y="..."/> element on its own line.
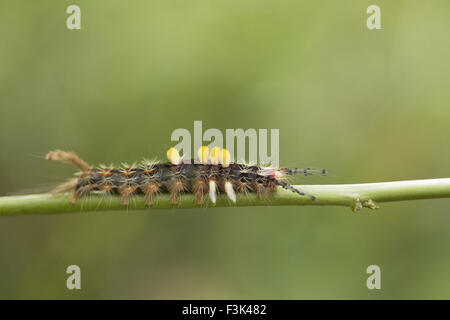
<point x="212" y="173"/>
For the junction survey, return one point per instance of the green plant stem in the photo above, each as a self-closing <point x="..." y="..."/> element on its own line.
<point x="355" y="196"/>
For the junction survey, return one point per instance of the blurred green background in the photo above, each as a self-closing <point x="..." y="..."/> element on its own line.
<point x="368" y="105"/>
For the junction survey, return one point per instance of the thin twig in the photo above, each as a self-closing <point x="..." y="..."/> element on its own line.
<point x="355" y="196"/>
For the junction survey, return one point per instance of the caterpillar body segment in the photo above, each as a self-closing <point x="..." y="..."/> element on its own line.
<point x="211" y="174"/>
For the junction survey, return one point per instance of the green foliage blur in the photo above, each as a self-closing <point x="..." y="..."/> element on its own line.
<point x="367" y="105"/>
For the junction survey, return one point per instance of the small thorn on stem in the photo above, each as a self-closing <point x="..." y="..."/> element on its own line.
<point x="370" y="204"/>
<point x="357" y="205"/>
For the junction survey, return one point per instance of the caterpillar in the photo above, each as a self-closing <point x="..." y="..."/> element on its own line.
<point x="210" y="174"/>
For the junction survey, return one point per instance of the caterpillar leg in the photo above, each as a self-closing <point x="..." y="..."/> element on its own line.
<point x="150" y="190"/>
<point x="243" y="186"/>
<point x="199" y="188"/>
<point x="175" y="188"/>
<point x="126" y="192"/>
<point x="270" y="187"/>
<point x="80" y="192"/>
<point x="259" y="189"/>
<point x="287" y="186"/>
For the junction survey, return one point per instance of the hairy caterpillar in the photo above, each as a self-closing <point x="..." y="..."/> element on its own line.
<point x="212" y="173"/>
